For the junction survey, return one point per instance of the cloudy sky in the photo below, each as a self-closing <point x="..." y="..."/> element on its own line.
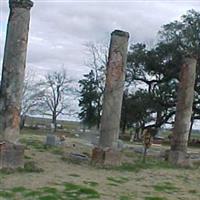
<point x="60" y="28"/>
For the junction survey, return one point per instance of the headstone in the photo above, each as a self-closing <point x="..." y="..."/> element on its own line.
<point x="51" y="140"/>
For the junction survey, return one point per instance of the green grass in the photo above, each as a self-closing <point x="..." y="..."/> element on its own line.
<point x="27" y="157"/>
<point x="78" y="192"/>
<point x="118" y="180"/>
<point x="155" y="198"/>
<point x="31" y="167"/>
<point x="165" y="187"/>
<point x="91" y="183"/>
<point x="124" y="198"/>
<point x="192" y="191"/>
<point x="37" y="144"/>
<point x="33" y="143"/>
<point x="74" y="175"/>
<point x="18" y="189"/>
<point x="6" y="194"/>
<point x="5" y="171"/>
<point x="69" y="191"/>
<point x="139" y="165"/>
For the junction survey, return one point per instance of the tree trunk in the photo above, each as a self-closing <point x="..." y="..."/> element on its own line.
<point x="124" y="126"/>
<point x="191" y="125"/>
<point x="54" y="122"/>
<point x="136" y="135"/>
<point x="22" y="121"/>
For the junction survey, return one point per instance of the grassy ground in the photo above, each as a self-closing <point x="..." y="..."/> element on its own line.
<point x="48" y="177"/>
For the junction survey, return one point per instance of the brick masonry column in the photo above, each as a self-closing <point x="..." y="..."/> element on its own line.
<point x="113" y="94"/>
<point x="14" y="63"/>
<point x="183" y="111"/>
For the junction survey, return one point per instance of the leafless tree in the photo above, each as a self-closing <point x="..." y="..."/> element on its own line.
<point x="97" y="60"/>
<point x="57" y="89"/>
<point x="97" y="57"/>
<point x="31" y="97"/>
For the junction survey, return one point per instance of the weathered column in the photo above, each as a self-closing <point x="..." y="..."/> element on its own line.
<point x="11" y="153"/>
<point x="14" y="67"/>
<point x="112" y="101"/>
<point x="183" y="111"/>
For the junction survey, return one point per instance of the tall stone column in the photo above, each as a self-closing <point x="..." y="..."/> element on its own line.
<point x="183" y="111"/>
<point x="14" y="62"/>
<point x="113" y="94"/>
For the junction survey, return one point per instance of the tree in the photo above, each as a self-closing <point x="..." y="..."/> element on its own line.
<point x="153" y="71"/>
<point x="92" y="85"/>
<point x="157" y="69"/>
<point x="57" y="88"/>
<point x="31" y="97"/>
<point x="184" y="36"/>
<point x="89" y="100"/>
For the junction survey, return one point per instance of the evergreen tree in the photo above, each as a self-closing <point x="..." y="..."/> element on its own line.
<point x="90" y="100"/>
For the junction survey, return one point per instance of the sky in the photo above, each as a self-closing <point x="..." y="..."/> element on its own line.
<point x="59" y="29"/>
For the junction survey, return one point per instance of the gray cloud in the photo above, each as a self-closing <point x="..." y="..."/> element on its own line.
<point x="59" y="29"/>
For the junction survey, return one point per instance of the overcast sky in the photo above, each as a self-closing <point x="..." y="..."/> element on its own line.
<point x="59" y="29"/>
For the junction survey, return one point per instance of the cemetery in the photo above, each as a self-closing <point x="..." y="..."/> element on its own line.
<point x="116" y="154"/>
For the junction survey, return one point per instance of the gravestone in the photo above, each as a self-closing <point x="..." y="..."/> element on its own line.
<point x="51" y="138"/>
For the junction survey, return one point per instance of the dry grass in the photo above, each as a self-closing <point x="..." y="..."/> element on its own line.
<point x="63" y="180"/>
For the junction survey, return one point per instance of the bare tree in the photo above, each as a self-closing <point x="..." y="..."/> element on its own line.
<point x="31" y="97"/>
<point x="57" y="88"/>
<point x="98" y="58"/>
<point x="97" y="54"/>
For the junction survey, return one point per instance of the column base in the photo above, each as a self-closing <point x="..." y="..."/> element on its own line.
<point x="109" y="157"/>
<point x="179" y="158"/>
<point x="11" y="155"/>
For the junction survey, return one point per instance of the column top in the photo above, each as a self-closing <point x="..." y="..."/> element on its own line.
<point x="20" y="4"/>
<point x="120" y="33"/>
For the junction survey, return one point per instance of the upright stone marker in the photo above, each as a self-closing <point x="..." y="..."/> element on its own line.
<point x="177" y="155"/>
<point x="12" y="82"/>
<point x="112" y="102"/>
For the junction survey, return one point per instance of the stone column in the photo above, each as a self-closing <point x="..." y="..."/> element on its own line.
<point x="183" y="111"/>
<point x="113" y="94"/>
<point x="14" y="62"/>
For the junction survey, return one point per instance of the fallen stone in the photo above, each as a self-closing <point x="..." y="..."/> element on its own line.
<point x="78" y="158"/>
